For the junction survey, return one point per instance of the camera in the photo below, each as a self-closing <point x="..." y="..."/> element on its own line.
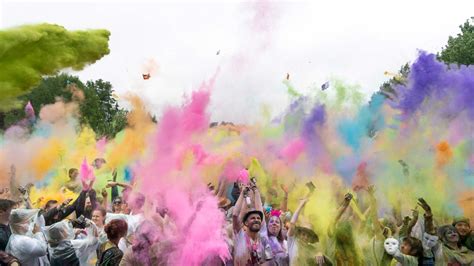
<point x="80" y="222"/>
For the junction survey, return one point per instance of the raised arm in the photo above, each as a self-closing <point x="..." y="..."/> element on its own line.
<point x="222" y="187"/>
<point x="192" y="217"/>
<point x="429" y="225"/>
<point x="66" y="209"/>
<point x="408" y="224"/>
<point x="113" y="184"/>
<point x="104" y="198"/>
<point x="81" y="200"/>
<point x="284" y="202"/>
<point x="93" y="198"/>
<point x="343" y="207"/>
<point x="258" y="199"/>
<point x="294" y="218"/>
<point x="13" y="184"/>
<point x="373" y="213"/>
<point x="237" y="225"/>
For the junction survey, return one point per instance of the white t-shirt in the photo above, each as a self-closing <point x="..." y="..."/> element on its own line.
<point x="292" y="249"/>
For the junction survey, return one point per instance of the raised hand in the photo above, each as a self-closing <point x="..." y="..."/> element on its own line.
<point x="347" y="199"/>
<point x="415" y="213"/>
<point x="284" y="188"/>
<point x="371" y="190"/>
<point x="319" y="258"/>
<point x="104" y="193"/>
<point x="423" y="204"/>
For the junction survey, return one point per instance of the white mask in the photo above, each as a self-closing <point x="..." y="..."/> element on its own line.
<point x="429" y="241"/>
<point x="391" y="245"/>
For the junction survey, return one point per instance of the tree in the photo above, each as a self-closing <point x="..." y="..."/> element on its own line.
<point x="460" y="49"/>
<point x="98" y="109"/>
<point x="46" y="92"/>
<point x="387" y="88"/>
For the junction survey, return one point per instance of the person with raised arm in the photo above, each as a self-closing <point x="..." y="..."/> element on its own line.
<point x="27" y="242"/>
<point x="303" y="248"/>
<point x="251" y="248"/>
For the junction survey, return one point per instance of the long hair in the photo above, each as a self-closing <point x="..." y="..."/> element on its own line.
<point x="279" y="236"/>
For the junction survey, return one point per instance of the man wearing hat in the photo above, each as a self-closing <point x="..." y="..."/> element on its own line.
<point x="225" y="206"/>
<point x="302" y="242"/>
<point x="466" y="235"/>
<point x="250" y="247"/>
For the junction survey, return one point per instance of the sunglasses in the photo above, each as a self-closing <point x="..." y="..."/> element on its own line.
<point x="117" y="202"/>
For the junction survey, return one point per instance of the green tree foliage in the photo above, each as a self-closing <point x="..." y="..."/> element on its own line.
<point x="98" y="109"/>
<point x="460" y="49"/>
<point x="387" y="88"/>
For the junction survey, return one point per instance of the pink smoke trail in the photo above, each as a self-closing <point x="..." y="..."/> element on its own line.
<point x="166" y="176"/>
<point x="86" y="174"/>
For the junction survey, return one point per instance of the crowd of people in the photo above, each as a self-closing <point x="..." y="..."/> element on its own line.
<point x="88" y="230"/>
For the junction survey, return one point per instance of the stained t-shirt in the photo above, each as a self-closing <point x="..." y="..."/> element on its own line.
<point x="248" y="252"/>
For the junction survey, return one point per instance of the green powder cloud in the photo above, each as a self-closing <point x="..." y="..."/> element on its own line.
<point x="29" y="52"/>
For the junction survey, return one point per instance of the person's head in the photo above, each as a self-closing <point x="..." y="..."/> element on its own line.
<point x="411" y="246"/>
<point x="98" y="216"/>
<point x="22" y="221"/>
<point x="116" y="229"/>
<point x="391" y="245"/>
<point x="463" y="226"/>
<point x="429" y="241"/>
<point x="59" y="231"/>
<point x="50" y="204"/>
<point x="253" y="220"/>
<point x="88" y="204"/>
<point x="125" y="209"/>
<point x="448" y="234"/>
<point x="6" y="207"/>
<point x="117" y="205"/>
<point x="135" y="202"/>
<point x="306" y="235"/>
<point x="275" y="225"/>
<point x="73" y="173"/>
<point x="98" y="163"/>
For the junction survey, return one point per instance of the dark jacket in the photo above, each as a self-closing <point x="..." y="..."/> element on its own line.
<point x="5" y="234"/>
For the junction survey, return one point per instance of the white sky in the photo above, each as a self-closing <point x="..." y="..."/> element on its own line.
<point x="312" y="40"/>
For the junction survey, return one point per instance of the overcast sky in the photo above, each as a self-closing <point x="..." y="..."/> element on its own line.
<point x="259" y="43"/>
